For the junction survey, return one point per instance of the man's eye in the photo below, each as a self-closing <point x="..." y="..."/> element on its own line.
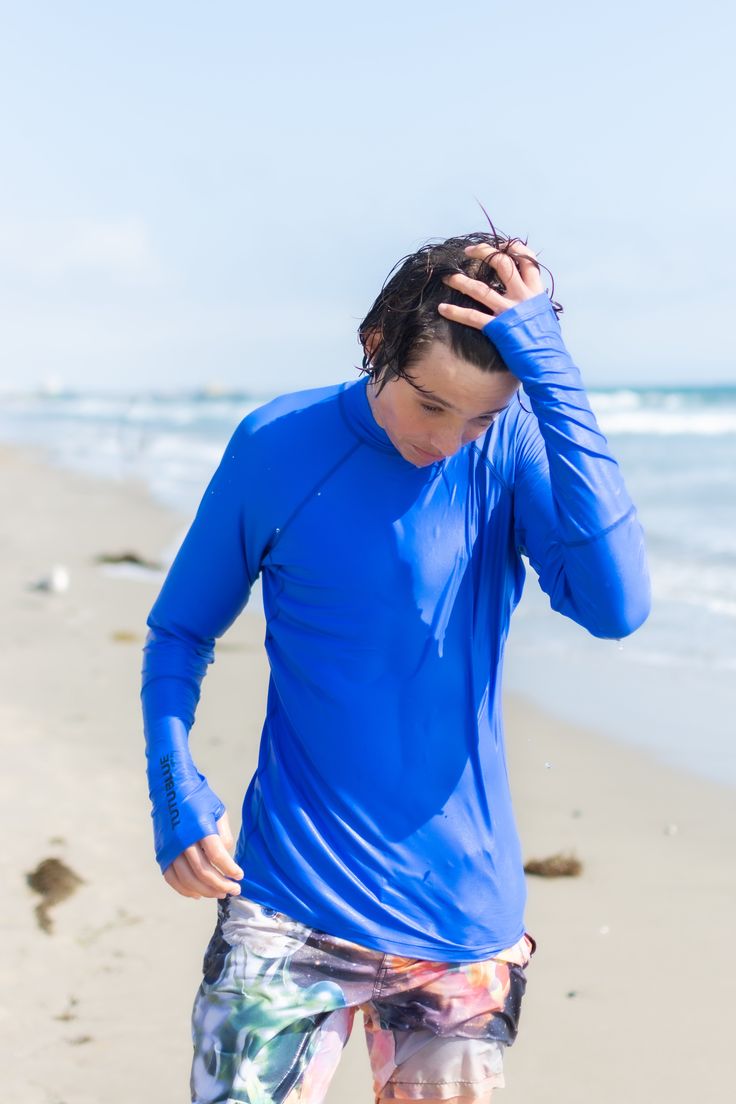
<point x="431" y="409"/>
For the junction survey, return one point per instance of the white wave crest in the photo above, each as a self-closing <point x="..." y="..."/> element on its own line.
<point x="669" y="423"/>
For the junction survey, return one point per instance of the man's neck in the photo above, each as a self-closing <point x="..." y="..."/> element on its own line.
<point x="373" y="402"/>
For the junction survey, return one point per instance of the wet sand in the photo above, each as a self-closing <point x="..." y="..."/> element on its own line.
<point x="631" y="991"/>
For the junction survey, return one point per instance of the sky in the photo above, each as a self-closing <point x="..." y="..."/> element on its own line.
<point x="213" y="194"/>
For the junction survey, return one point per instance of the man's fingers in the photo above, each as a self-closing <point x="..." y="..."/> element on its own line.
<point x="205" y="874"/>
<point x="517" y="266"/>
<point x="530" y="274"/>
<point x="226" y="835"/>
<point x="206" y="869"/>
<point x="189" y="879"/>
<point x="508" y="270"/>
<point x="171" y="879"/>
<point x="516" y="246"/>
<point x="528" y="266"/>
<point x="476" y="289"/>
<point x="466" y="315"/>
<point x="200" y="878"/>
<point x="217" y="854"/>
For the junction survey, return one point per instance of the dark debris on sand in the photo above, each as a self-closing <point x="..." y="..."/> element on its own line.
<point x="69" y="1012"/>
<point x="555" y="866"/>
<point x="127" y="558"/>
<point x="54" y="881"/>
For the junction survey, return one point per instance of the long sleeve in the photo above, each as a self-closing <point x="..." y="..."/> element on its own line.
<point x="574" y="519"/>
<point x="206" y="588"/>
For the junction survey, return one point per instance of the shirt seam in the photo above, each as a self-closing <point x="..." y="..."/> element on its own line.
<point x="603" y="532"/>
<point x="492" y="468"/>
<point x="321" y="482"/>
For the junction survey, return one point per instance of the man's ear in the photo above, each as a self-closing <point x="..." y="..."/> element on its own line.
<point x="372" y="342"/>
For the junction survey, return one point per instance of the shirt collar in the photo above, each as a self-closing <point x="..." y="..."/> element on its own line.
<point x="358" y="414"/>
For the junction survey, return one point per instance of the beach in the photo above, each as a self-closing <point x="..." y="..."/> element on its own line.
<point x="633" y="954"/>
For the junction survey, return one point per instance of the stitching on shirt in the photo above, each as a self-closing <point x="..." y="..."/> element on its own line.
<point x="491" y="467"/>
<point x="323" y="479"/>
<point x="603" y="532"/>
<point x="566" y="544"/>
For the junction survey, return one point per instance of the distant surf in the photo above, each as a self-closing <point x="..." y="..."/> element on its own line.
<point x="671" y="686"/>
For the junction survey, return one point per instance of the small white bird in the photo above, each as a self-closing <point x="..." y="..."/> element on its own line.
<point x="55" y="583"/>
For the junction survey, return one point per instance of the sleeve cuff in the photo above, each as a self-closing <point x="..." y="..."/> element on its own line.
<point x="514" y="316"/>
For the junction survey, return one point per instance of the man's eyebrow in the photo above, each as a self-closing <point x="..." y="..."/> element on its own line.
<point x="445" y="403"/>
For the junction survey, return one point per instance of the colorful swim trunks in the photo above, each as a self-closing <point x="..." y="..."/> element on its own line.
<point x="277" y="1003"/>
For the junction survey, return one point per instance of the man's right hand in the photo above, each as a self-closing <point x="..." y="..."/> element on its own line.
<point x="206" y="869"/>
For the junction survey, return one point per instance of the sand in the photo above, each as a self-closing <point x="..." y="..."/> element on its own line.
<point x="631" y="991"/>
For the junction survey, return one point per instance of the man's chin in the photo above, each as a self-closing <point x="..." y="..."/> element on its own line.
<point x="416" y="456"/>
<point x="423" y="459"/>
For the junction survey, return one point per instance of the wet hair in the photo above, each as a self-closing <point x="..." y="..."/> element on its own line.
<point x="405" y="316"/>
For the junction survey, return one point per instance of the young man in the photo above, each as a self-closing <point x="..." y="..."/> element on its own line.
<point x="378" y="865"/>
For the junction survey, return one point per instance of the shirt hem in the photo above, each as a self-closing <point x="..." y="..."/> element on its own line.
<point x="428" y="952"/>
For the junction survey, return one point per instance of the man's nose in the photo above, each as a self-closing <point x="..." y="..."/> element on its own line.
<point x="447" y="442"/>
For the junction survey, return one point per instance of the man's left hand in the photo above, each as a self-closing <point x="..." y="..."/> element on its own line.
<point x="518" y="270"/>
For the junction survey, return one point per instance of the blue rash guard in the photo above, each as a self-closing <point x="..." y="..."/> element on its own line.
<point x="380" y="810"/>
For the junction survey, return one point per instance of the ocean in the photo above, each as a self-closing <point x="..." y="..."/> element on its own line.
<point x="670" y="687"/>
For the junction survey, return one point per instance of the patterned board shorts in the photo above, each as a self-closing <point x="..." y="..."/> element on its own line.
<point x="278" y="998"/>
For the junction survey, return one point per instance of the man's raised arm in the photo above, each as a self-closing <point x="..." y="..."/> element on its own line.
<point x="574" y="518"/>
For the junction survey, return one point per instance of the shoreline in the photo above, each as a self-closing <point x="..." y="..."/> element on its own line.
<point x="104" y="999"/>
<point x="612" y="688"/>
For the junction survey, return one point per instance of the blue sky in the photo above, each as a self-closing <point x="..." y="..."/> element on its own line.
<point x="214" y="193"/>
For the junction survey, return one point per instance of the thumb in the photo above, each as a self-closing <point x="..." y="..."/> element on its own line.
<point x="214" y="849"/>
<point x="226" y="835"/>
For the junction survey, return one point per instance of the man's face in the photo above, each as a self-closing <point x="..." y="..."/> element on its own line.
<point x="448" y="403"/>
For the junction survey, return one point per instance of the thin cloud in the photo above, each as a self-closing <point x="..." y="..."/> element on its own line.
<point x="51" y="251"/>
